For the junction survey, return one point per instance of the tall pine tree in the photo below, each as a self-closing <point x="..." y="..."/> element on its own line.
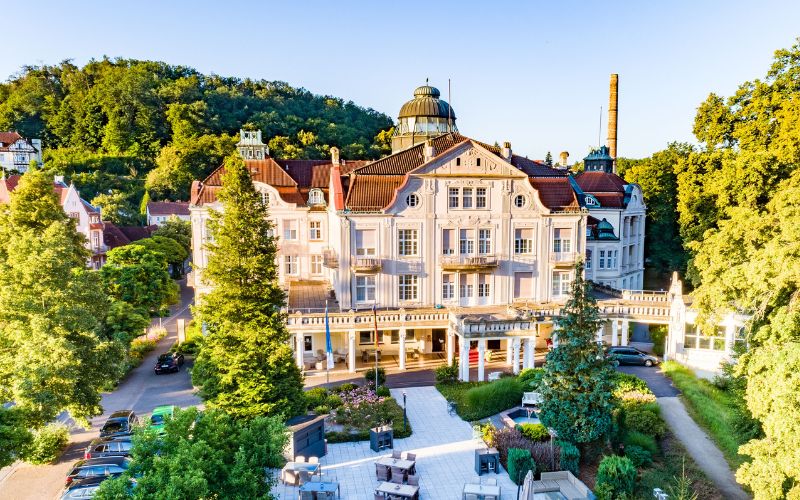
<point x="245" y="366"/>
<point x="577" y="382"/>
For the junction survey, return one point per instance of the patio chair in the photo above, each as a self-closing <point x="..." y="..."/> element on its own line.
<point x="381" y="472"/>
<point x="397" y="454"/>
<point x="300" y="458"/>
<point x="491" y="481"/>
<point x="364" y="356"/>
<point x="320" y="355"/>
<point x="398" y="475"/>
<point x="379" y="496"/>
<point x="313" y="460"/>
<point x="411" y="457"/>
<point x="413" y="480"/>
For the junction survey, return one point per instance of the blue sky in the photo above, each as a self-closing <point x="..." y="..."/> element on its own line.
<point x="534" y="73"/>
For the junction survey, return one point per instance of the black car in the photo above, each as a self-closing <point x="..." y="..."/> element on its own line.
<point x="632" y="356"/>
<point x="108" y="447"/>
<point x="120" y="423"/>
<point x="83" y="488"/>
<point x="169" y="362"/>
<point x="93" y="467"/>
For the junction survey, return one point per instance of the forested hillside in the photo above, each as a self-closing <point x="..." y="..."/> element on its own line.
<point x="117" y="126"/>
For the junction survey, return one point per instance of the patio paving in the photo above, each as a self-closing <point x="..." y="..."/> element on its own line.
<point x="443" y="444"/>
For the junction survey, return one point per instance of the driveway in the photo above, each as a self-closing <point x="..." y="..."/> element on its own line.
<point x="141" y="391"/>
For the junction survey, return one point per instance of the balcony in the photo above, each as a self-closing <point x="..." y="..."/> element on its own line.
<point x="468" y="262"/>
<point x="366" y="265"/>
<point x="563" y="259"/>
<point x="329" y="259"/>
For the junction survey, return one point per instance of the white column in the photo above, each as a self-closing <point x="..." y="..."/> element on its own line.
<point x="402" y="347"/>
<point x="451" y="347"/>
<point x="351" y="351"/>
<point x="624" y="332"/>
<point x="530" y="347"/>
<point x="299" y="347"/>
<point x="515" y="359"/>
<point x="463" y="362"/>
<point x="481" y="356"/>
<point x="509" y="351"/>
<point x="614" y="332"/>
<point x="600" y="332"/>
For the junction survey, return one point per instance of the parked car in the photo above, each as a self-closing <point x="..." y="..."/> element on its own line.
<point x="632" y="356"/>
<point x="83" y="488"/>
<point x="120" y="423"/>
<point x="108" y="447"/>
<point x="92" y="467"/>
<point x="160" y="416"/>
<point x="169" y="362"/>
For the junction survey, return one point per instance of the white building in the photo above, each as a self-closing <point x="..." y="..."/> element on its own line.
<point x="159" y="212"/>
<point x="17" y="152"/>
<point x="448" y="237"/>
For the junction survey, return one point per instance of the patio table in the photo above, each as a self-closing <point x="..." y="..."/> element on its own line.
<point x="406" y="465"/>
<point x="484" y="491"/>
<point x="289" y="472"/>
<point x="398" y="490"/>
<point x="322" y="487"/>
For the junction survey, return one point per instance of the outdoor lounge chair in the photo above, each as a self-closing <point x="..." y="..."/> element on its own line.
<point x="531" y="398"/>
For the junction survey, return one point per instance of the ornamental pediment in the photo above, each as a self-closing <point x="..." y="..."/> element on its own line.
<point x="468" y="160"/>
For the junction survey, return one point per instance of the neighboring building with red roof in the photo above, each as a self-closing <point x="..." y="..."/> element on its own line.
<point x="444" y="223"/>
<point x="17" y="152"/>
<point x="158" y="212"/>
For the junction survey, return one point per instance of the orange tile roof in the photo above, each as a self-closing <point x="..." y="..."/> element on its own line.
<point x="600" y="182"/>
<point x="556" y="193"/>
<point x="372" y="192"/>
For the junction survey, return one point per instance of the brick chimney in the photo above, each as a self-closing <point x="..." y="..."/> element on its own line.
<point x="507" y="150"/>
<point x="612" y="117"/>
<point x="564" y="157"/>
<point x="335" y="155"/>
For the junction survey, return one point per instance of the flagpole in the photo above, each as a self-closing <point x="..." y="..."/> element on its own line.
<point x="375" y="317"/>
<point x="328" y="353"/>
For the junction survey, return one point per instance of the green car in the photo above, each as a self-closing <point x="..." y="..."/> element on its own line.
<point x="160" y="416"/>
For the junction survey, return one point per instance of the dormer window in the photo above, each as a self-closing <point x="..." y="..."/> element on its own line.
<point x="315" y="197"/>
<point x="265" y="198"/>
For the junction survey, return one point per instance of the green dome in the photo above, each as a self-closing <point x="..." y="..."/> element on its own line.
<point x="426" y="102"/>
<point x="605" y="231"/>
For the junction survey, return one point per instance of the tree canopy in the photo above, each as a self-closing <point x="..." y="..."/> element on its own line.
<point x="138" y="275"/>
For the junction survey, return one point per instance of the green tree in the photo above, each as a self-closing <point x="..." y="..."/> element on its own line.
<point x="177" y="229"/>
<point x="117" y="207"/>
<point x="245" y="366"/>
<point x="139" y="276"/>
<point x="202" y="455"/>
<point x="578" y="378"/>
<point x="15" y="437"/>
<point x="54" y="354"/>
<point x="548" y="159"/>
<point x="143" y="204"/>
<point x="170" y="251"/>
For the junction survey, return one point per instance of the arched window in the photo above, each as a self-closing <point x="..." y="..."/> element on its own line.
<point x="315" y="197"/>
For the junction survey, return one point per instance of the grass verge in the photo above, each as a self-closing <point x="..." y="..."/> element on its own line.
<point x="668" y="466"/>
<point x="712" y="408"/>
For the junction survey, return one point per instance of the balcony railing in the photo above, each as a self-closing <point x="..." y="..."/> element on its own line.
<point x="563" y="258"/>
<point x="468" y="262"/>
<point x="366" y="265"/>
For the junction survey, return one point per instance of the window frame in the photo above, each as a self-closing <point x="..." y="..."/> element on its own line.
<point x="316" y="264"/>
<point x="289" y="227"/>
<point x="362" y="282"/>
<point x="312" y="229"/>
<point x="408" y="287"/>
<point x="291" y="262"/>
<point x="408" y="242"/>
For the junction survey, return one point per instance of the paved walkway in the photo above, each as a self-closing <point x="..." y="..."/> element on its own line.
<point x="443" y="444"/>
<point x="697" y="443"/>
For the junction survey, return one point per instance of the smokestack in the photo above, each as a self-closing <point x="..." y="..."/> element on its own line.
<point x="335" y="155"/>
<point x="612" y="117"/>
<point x="564" y="157"/>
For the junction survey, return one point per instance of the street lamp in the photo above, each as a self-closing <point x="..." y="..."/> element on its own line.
<point x="404" y="412"/>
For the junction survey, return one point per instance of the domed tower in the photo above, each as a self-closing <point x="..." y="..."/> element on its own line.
<point x="423" y="117"/>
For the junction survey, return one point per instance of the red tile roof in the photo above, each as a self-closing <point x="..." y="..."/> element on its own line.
<point x="136" y="233"/>
<point x="610" y="200"/>
<point x="600" y="182"/>
<point x="168" y="207"/>
<point x="556" y="193"/>
<point x="112" y="236"/>
<point x="9" y="137"/>
<point x="372" y="192"/>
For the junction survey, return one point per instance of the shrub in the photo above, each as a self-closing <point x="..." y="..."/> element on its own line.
<point x="639" y="456"/>
<point x="657" y="334"/>
<point x="369" y="376"/>
<point x="519" y="463"/>
<point x="333" y="400"/>
<point x="48" y="442"/>
<point x="634" y="398"/>
<point x="321" y="410"/>
<point x="629" y="383"/>
<point x="535" y="432"/>
<point x="487" y="433"/>
<point x="616" y="476"/>
<point x="446" y="374"/>
<point x="644" y="421"/>
<point x="645" y="441"/>
<point x="383" y="391"/>
<point x="530" y="377"/>
<point x="543" y="454"/>
<point x="570" y="456"/>
<point x="488" y="399"/>
<point x="346" y="387"/>
<point x="316" y="396"/>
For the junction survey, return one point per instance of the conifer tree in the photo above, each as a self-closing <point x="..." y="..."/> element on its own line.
<point x="245" y="366"/>
<point x="548" y="159"/>
<point x="577" y="383"/>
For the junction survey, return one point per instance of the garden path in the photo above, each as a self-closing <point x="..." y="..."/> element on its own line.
<point x="443" y="444"/>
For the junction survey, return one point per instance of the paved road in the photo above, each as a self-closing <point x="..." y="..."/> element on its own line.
<point x="697" y="443"/>
<point x="141" y="391"/>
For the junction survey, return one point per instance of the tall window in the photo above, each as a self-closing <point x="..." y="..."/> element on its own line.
<point x="265" y="198"/>
<point x="466" y="198"/>
<point x="562" y="240"/>
<point x="480" y="197"/>
<point x="483" y="285"/>
<point x="466" y="244"/>
<point x="408" y="287"/>
<point x="365" y="288"/>
<point x="588" y="259"/>
<point x="466" y="287"/>
<point x="561" y="283"/>
<point x="290" y="230"/>
<point x="315" y="230"/>
<point x="365" y="242"/>
<point x="452" y="195"/>
<point x="316" y="264"/>
<point x="602" y="260"/>
<point x="523" y="240"/>
<point x="484" y="241"/>
<point x="407" y="242"/>
<point x="448" y="287"/>
<point x="613" y="259"/>
<point x="290" y="266"/>
<point x="448" y="242"/>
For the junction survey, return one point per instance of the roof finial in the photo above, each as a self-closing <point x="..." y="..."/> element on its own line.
<point x="426" y="81"/>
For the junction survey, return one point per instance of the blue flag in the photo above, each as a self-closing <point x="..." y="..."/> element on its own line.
<point x="328" y="348"/>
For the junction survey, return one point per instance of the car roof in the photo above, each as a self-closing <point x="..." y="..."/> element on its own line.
<point x="97" y="441"/>
<point x="121" y="413"/>
<point x="163" y="409"/>
<point x="87" y="481"/>
<point x="102" y="461"/>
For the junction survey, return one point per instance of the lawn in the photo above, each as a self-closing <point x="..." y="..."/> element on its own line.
<point x="667" y="467"/>
<point x="476" y="400"/>
<point x="712" y="408"/>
